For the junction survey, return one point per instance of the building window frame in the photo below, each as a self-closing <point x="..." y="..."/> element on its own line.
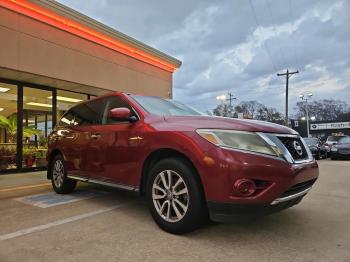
<point x="20" y="85"/>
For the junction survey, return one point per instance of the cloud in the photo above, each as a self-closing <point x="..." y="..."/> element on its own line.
<point x="225" y="46"/>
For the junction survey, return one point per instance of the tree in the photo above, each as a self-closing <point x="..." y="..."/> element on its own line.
<point x="249" y="108"/>
<point x="326" y="109"/>
<point x="224" y="110"/>
<point x="270" y="114"/>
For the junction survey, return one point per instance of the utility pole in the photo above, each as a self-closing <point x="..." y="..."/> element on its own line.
<point x="230" y="98"/>
<point x="287" y="74"/>
<point x="224" y="98"/>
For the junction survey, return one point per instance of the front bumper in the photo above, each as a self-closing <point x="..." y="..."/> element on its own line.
<point x="228" y="212"/>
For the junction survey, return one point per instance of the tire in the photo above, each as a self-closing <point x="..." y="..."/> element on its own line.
<point x="60" y="183"/>
<point x="165" y="205"/>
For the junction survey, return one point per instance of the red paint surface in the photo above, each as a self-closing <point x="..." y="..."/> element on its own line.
<point x="120" y="153"/>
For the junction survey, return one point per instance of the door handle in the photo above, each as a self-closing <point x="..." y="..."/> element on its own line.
<point x="95" y="136"/>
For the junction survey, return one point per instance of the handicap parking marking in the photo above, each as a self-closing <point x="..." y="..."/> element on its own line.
<point x="53" y="199"/>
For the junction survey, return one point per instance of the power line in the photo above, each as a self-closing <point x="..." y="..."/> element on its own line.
<point x="264" y="45"/>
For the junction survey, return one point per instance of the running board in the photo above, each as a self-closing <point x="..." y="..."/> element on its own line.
<point x="104" y="183"/>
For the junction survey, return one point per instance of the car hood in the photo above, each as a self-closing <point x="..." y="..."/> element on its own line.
<point x="213" y="122"/>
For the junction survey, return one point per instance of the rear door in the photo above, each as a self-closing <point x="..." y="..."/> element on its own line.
<point x="74" y="133"/>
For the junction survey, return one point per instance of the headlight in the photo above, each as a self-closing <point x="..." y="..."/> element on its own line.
<point x="243" y="140"/>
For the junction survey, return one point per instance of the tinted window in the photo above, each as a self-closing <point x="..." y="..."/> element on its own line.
<point x="67" y="119"/>
<point x="110" y="103"/>
<point x="344" y="140"/>
<point x="89" y="113"/>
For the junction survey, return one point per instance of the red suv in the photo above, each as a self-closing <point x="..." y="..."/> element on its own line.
<point x="188" y="165"/>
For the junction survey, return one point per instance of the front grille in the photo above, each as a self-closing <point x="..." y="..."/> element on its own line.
<point x="294" y="146"/>
<point x="298" y="188"/>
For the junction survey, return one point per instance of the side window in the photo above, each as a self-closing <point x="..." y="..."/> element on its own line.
<point x="110" y="103"/>
<point x="67" y="119"/>
<point x="89" y="113"/>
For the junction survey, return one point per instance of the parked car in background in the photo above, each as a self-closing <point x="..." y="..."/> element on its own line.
<point x="317" y="148"/>
<point x="188" y="165"/>
<point x="342" y="149"/>
<point x="332" y="140"/>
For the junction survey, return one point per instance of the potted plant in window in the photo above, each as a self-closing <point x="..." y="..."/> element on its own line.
<point x="28" y="156"/>
<point x="7" y="156"/>
<point x="40" y="157"/>
<point x="3" y="158"/>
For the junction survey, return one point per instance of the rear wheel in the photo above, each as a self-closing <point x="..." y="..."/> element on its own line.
<point x="60" y="182"/>
<point x="175" y="196"/>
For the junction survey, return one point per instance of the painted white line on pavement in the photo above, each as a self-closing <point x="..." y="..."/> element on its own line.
<point x="30" y="230"/>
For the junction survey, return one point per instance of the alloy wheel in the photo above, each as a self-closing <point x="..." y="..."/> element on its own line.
<point x="170" y="196"/>
<point x="58" y="173"/>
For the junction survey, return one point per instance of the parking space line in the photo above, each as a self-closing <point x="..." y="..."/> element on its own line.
<point x="39" y="228"/>
<point x="23" y="187"/>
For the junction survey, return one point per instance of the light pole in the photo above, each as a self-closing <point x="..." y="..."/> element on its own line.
<point x="223" y="98"/>
<point x="305" y="97"/>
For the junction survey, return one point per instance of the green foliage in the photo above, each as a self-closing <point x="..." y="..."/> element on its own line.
<point x="10" y="124"/>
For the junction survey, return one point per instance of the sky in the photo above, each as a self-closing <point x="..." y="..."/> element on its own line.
<point x="239" y="46"/>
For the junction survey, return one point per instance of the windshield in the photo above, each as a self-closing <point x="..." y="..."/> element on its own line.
<point x="334" y="138"/>
<point x="311" y="141"/>
<point x="344" y="140"/>
<point x="159" y="106"/>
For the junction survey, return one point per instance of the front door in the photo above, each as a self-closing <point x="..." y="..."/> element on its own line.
<point x="116" y="145"/>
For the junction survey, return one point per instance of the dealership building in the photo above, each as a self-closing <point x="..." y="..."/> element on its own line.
<point x="52" y="57"/>
<point x="321" y="129"/>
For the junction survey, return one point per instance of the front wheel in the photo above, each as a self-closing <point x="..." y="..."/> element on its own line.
<point x="175" y="196"/>
<point x="60" y="182"/>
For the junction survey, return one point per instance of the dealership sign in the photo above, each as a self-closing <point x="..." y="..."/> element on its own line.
<point x="338" y="125"/>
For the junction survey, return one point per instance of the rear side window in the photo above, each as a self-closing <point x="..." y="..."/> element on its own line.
<point x="67" y="119"/>
<point x="89" y="113"/>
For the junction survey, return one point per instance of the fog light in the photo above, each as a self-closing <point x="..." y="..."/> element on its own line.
<point x="244" y="187"/>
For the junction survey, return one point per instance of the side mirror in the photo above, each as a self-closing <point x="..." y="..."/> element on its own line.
<point x="121" y="114"/>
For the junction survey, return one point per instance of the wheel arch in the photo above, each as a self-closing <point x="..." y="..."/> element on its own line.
<point x="54" y="153"/>
<point x="160" y="154"/>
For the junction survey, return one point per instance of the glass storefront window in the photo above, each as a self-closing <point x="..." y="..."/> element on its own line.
<point x="35" y="108"/>
<point x="37" y="125"/>
<point x="8" y="126"/>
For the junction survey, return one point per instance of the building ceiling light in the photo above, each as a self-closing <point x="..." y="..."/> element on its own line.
<point x="1" y="109"/>
<point x="67" y="99"/>
<point x="4" y="89"/>
<point x="38" y="104"/>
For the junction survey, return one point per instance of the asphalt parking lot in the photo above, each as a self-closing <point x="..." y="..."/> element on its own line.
<point x="99" y="225"/>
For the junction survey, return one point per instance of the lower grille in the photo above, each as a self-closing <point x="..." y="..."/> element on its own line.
<point x="295" y="147"/>
<point x="298" y="188"/>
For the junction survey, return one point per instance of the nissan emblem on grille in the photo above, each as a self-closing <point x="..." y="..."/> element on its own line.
<point x="298" y="147"/>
